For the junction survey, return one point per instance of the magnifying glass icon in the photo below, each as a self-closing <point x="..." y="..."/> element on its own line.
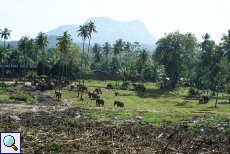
<point x="9" y="141"/>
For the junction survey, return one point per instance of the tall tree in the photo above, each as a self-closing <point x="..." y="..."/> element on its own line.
<point x="42" y="42"/>
<point x="91" y="28"/>
<point x="25" y="45"/>
<point x="84" y="33"/>
<point x="5" y="34"/>
<point x="169" y="53"/>
<point x="143" y="57"/>
<point x="64" y="45"/>
<point x="207" y="63"/>
<point x="106" y="50"/>
<point x="190" y="57"/>
<point x="117" y="50"/>
<point x="96" y="50"/>
<point x="226" y="45"/>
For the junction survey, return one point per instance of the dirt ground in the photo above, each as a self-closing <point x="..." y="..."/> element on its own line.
<point x="49" y="128"/>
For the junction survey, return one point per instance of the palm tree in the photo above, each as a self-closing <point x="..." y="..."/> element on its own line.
<point x="117" y="50"/>
<point x="5" y="34"/>
<point x="41" y="42"/>
<point x="25" y="45"/>
<point x="64" y="45"/>
<point x="226" y="45"/>
<point x="96" y="50"/>
<point x="91" y="28"/>
<point x="143" y="57"/>
<point x="84" y="33"/>
<point x="135" y="50"/>
<point x="107" y="48"/>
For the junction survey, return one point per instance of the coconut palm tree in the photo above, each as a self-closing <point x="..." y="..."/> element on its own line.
<point x="117" y="50"/>
<point x="25" y="45"/>
<point x="143" y="57"/>
<point x="64" y="45"/>
<point x="226" y="45"/>
<point x="107" y="49"/>
<point x="5" y="34"/>
<point x="96" y="50"/>
<point x="42" y="42"/>
<point x="91" y="28"/>
<point x="84" y="33"/>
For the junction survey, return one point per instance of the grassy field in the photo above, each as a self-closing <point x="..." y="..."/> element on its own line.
<point x="149" y="121"/>
<point x="155" y="106"/>
<point x="153" y="99"/>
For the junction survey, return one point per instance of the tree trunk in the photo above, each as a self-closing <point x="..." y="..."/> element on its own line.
<point x="3" y="78"/>
<point x="2" y="72"/>
<point x="81" y="95"/>
<point x="82" y="62"/>
<point x="66" y="71"/>
<point x="43" y="70"/>
<point x="88" y="47"/>
<point x="216" y="98"/>
<point x="24" y="68"/>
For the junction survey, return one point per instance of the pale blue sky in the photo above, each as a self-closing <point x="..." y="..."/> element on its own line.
<point x="28" y="17"/>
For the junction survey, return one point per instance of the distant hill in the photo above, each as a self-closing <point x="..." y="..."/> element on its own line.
<point x="12" y="43"/>
<point x="108" y="30"/>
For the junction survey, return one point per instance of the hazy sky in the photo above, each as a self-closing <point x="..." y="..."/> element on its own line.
<point x="28" y="17"/>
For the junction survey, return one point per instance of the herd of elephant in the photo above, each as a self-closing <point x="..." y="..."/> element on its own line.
<point x="96" y="95"/>
<point x="53" y="84"/>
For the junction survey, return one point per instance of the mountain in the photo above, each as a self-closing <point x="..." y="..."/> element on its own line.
<point x="109" y="30"/>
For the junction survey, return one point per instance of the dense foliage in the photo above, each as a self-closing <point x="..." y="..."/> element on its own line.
<point x="179" y="59"/>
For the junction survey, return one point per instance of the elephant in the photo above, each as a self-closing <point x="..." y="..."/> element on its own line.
<point x="90" y="94"/>
<point x="119" y="103"/>
<point x="94" y="95"/>
<point x="58" y="94"/>
<point x="65" y="83"/>
<point x="72" y="87"/>
<point x="125" y="85"/>
<point x="98" y="90"/>
<point x="99" y="102"/>
<point x="139" y="87"/>
<point x="42" y="86"/>
<point x="109" y="86"/>
<point x="82" y="87"/>
<point x="116" y="93"/>
<point x="203" y="100"/>
<point x="51" y="85"/>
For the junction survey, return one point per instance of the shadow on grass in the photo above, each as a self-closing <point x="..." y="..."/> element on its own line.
<point x="224" y="103"/>
<point x="184" y="104"/>
<point x="154" y="93"/>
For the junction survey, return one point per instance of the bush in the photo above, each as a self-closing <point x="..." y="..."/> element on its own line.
<point x="18" y="97"/>
<point x="192" y="92"/>
<point x="31" y="75"/>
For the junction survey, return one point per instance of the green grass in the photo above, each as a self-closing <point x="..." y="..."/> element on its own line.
<point x="5" y="95"/>
<point x="156" y="106"/>
<point x="153" y="99"/>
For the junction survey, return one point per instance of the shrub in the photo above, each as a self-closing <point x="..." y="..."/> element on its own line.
<point x="18" y="97"/>
<point x="192" y="92"/>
